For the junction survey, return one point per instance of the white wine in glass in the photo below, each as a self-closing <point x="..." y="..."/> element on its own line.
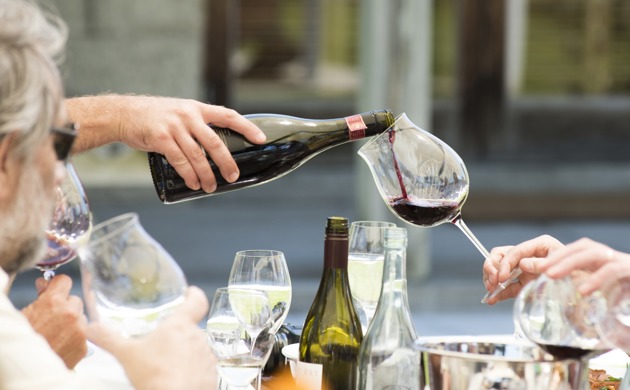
<point x="366" y="254"/>
<point x="267" y="271"/>
<point x="234" y="313"/>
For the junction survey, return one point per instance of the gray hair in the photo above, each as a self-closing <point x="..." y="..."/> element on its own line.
<point x="31" y="44"/>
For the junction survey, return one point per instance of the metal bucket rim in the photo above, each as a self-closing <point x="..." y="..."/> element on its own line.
<point x="429" y="345"/>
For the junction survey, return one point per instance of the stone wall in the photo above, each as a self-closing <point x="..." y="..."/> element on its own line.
<point x="130" y="46"/>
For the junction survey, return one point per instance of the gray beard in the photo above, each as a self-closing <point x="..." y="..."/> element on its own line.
<point x="23" y="224"/>
<point x="26" y="256"/>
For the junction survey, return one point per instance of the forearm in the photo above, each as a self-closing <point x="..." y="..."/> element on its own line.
<point x="98" y="118"/>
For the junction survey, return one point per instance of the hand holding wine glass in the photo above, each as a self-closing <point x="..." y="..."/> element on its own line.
<point x="70" y="226"/>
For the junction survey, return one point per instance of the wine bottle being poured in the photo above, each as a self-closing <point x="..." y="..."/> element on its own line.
<point x="290" y="142"/>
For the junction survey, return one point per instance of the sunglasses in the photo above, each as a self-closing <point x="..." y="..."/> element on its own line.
<point x="63" y="139"/>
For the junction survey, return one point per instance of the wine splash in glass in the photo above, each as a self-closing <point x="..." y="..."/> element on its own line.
<point x="421" y="179"/>
<point x="71" y="224"/>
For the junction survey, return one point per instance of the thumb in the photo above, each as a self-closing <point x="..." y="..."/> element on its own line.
<point x="41" y="285"/>
<point x="195" y="305"/>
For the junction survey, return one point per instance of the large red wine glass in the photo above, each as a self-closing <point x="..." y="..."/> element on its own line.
<point x="70" y="226"/>
<point x="552" y="313"/>
<point x="420" y="178"/>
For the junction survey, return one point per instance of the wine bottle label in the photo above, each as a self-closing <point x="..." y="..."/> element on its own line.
<point x="308" y="376"/>
<point x="356" y="127"/>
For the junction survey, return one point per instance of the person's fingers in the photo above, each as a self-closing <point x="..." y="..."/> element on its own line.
<point x="583" y="254"/>
<point x="540" y="246"/>
<point x="228" y="118"/>
<point x="41" y="285"/>
<point x="491" y="266"/>
<point x="178" y="160"/>
<point x="60" y="285"/>
<point x="76" y="304"/>
<point x="195" y="306"/>
<point x="220" y="155"/>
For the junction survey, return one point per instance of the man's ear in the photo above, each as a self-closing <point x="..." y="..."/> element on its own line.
<point x="7" y="165"/>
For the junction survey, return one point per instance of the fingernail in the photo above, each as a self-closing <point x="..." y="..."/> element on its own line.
<point x="233" y="177"/>
<point x="194" y="186"/>
<point x="211" y="188"/>
<point x="261" y="137"/>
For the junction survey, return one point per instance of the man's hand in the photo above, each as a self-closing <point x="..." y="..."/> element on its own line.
<point x="175" y="355"/>
<point x="58" y="316"/>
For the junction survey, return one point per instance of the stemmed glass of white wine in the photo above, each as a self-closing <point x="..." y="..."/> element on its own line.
<point x="266" y="271"/>
<point x="366" y="256"/>
<point x="70" y="226"/>
<point x="239" y="332"/>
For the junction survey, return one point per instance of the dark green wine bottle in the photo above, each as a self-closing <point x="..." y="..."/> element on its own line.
<point x="332" y="335"/>
<point x="290" y="142"/>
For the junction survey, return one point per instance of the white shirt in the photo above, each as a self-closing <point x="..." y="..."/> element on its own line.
<point x="26" y="360"/>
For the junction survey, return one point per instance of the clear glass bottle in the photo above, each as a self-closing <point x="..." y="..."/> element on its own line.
<point x="290" y="142"/>
<point x="387" y="359"/>
<point x="332" y="335"/>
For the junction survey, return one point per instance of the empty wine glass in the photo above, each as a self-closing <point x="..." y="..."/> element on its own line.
<point x="551" y="313"/>
<point x="129" y="280"/>
<point x="240" y="357"/>
<point x="366" y="254"/>
<point x="70" y="226"/>
<point x="267" y="271"/>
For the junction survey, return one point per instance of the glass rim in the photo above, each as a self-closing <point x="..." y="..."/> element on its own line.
<point x="130" y="217"/>
<point x="373" y="224"/>
<point x="259" y="253"/>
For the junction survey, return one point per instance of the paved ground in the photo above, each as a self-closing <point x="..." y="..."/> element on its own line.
<point x="289" y="215"/>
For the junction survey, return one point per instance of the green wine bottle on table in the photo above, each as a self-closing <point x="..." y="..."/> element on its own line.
<point x="332" y="335"/>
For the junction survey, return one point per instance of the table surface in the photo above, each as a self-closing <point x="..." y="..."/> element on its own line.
<point x="102" y="365"/>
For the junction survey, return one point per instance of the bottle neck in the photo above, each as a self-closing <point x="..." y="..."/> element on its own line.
<point x="336" y="251"/>
<point x="395" y="270"/>
<point x="376" y="122"/>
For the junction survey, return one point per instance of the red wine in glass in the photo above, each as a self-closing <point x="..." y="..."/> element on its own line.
<point x="428" y="212"/>
<point x="424" y="212"/>
<point x="59" y="252"/>
<point x="562" y="352"/>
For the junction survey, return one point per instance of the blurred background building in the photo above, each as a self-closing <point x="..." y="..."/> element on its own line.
<point x="533" y="94"/>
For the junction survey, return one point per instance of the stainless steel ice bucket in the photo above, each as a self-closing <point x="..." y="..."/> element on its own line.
<point x="495" y="362"/>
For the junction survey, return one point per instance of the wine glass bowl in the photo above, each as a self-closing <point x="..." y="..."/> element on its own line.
<point x="552" y="314"/>
<point x="70" y="226"/>
<point x="233" y="314"/>
<point x="129" y="280"/>
<point x="420" y="178"/>
<point x="266" y="271"/>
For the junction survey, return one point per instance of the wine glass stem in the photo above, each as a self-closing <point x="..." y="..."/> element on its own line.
<point x="459" y="222"/>
<point x="49" y="274"/>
